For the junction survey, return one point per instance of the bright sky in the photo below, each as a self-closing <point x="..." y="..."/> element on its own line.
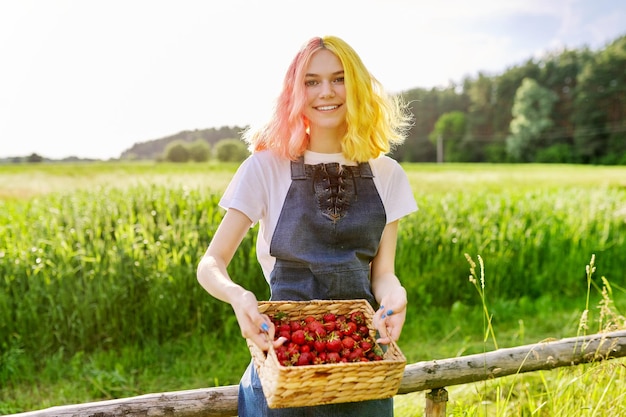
<point x="90" y="78"/>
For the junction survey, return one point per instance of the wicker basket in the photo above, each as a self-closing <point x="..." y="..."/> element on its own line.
<point x="296" y="386"/>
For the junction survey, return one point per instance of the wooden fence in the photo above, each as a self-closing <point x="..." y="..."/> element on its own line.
<point x="421" y="376"/>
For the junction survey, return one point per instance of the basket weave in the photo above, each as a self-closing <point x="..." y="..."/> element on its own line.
<point x="296" y="386"/>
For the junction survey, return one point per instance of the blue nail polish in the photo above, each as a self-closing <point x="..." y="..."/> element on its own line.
<point x="389" y="312"/>
<point x="265" y="327"/>
<point x="382" y="307"/>
<point x="383" y="316"/>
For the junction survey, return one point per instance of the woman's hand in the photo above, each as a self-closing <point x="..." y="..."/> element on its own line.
<point x="390" y="317"/>
<point x="254" y="325"/>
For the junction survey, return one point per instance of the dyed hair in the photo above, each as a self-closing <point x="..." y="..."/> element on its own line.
<point x="376" y="121"/>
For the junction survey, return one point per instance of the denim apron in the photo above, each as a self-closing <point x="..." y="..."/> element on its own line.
<point x="328" y="232"/>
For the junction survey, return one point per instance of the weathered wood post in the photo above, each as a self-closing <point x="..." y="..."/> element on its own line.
<point x="436" y="400"/>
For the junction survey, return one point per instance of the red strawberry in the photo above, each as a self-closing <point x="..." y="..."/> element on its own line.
<point x="281" y="354"/>
<point x="333" y="357"/>
<point x="319" y="345"/>
<point x="292" y="349"/>
<point x="356" y="355"/>
<point x="295" y="325"/>
<point x="333" y="343"/>
<point x="358" y="317"/>
<point x="348" y="328"/>
<point x="318" y="361"/>
<point x="366" y="345"/>
<point x="305" y="358"/>
<point x="314" y="326"/>
<point x="329" y="317"/>
<point x="330" y="326"/>
<point x="298" y="337"/>
<point x="320" y="332"/>
<point x="348" y="342"/>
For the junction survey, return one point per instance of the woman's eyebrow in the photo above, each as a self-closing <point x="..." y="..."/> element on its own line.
<point x="317" y="75"/>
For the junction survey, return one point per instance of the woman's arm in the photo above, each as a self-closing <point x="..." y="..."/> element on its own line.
<point x="213" y="276"/>
<point x="387" y="289"/>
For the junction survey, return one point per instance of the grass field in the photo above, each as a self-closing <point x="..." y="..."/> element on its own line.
<point x="98" y="297"/>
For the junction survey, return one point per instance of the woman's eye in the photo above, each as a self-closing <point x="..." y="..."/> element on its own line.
<point x="338" y="80"/>
<point x="310" y="83"/>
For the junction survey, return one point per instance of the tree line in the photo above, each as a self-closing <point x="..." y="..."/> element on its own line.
<point x="567" y="107"/>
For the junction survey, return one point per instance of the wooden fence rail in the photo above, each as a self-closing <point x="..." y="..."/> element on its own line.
<point x="429" y="375"/>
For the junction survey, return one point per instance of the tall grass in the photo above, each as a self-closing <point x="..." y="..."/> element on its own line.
<point x="110" y="267"/>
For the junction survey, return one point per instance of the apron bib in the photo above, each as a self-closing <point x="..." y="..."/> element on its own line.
<point x="327" y="234"/>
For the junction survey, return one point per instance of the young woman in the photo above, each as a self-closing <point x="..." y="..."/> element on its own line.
<point x="327" y="200"/>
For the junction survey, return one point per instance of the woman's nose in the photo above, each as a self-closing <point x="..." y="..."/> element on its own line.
<point x="327" y="90"/>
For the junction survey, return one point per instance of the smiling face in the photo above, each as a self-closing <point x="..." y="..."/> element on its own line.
<point x="325" y="95"/>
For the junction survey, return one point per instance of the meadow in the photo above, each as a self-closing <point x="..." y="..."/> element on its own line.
<point x="99" y="300"/>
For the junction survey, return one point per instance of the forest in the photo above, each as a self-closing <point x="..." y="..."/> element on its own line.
<point x="568" y="106"/>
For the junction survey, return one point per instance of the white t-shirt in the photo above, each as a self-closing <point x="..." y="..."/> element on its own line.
<point x="260" y="185"/>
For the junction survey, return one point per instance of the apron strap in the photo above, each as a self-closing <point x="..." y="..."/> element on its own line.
<point x="297" y="169"/>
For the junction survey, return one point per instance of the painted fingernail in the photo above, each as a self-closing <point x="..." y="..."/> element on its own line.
<point x="382" y="307"/>
<point x="265" y="327"/>
<point x="389" y="312"/>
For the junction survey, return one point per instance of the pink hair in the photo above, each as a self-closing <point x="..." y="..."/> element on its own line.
<point x="375" y="120"/>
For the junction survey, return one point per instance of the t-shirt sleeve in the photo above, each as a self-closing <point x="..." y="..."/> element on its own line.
<point x="245" y="192"/>
<point x="396" y="191"/>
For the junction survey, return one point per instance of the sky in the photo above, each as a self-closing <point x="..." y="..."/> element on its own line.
<point x="90" y="78"/>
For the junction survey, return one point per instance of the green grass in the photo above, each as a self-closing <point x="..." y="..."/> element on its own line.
<point x="98" y="296"/>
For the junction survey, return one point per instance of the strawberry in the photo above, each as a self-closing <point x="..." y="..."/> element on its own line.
<point x="333" y="357"/>
<point x="347" y="328"/>
<point x="298" y="337"/>
<point x="358" y="317"/>
<point x="281" y="354"/>
<point x="295" y="325"/>
<point x="319" y="345"/>
<point x="318" y="360"/>
<point x="355" y="355"/>
<point x="348" y="342"/>
<point x="293" y="349"/>
<point x="305" y="358"/>
<point x="329" y="317"/>
<point x="333" y="343"/>
<point x="330" y="326"/>
<point x="366" y="345"/>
